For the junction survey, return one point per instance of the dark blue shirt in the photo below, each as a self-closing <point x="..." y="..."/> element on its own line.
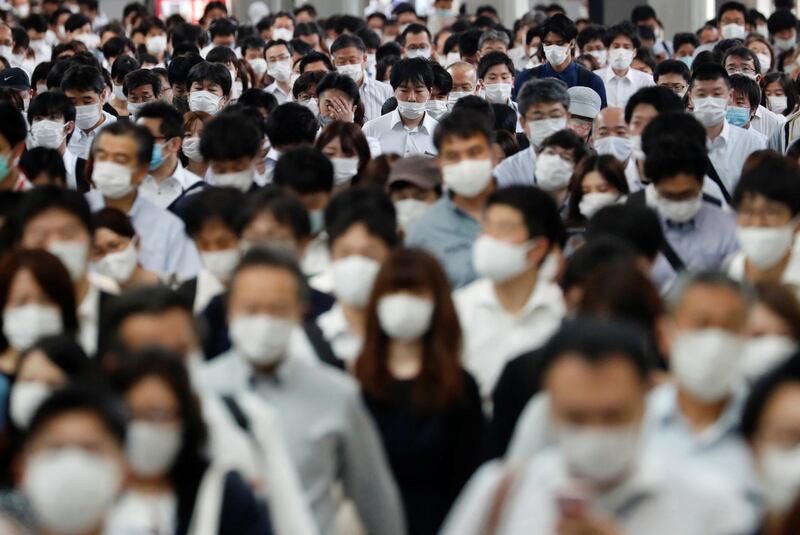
<point x="569" y="76"/>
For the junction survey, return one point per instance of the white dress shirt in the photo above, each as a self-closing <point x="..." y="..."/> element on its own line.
<point x="635" y="183"/>
<point x="729" y="151"/>
<point x="620" y="88"/>
<point x="70" y="160"/>
<point x="164" y="193"/>
<point x="492" y="336"/>
<point x="395" y="137"/>
<point x="88" y="311"/>
<point x="81" y="141"/>
<point x="373" y="95"/>
<point x="345" y="343"/>
<point x="766" y="121"/>
<point x="517" y="170"/>
<point x="282" y="96"/>
<point x="735" y="267"/>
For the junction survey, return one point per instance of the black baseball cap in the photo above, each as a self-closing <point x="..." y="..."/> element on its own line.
<point x="15" y="78"/>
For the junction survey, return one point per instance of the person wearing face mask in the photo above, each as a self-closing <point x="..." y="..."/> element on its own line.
<point x="584" y="105"/>
<point x="347" y="148"/>
<point x="209" y="87"/>
<point x="674" y="75"/>
<point x="13" y="131"/>
<point x="411" y="321"/>
<point x="731" y="23"/>
<point x="437" y="105"/>
<point x="86" y="89"/>
<point x="222" y="32"/>
<point x="177" y="76"/>
<point x="743" y="61"/>
<point x="339" y="100"/>
<point x="349" y="55"/>
<point x="265" y="306"/>
<point x="304" y="132"/>
<point x="52" y="119"/>
<point x="496" y="78"/>
<point x="779" y="95"/>
<point x="543" y="106"/>
<point x="558" y="43"/>
<point x="278" y="54"/>
<point x="611" y="135"/>
<point x="416" y="42"/>
<point x="597" y="477"/>
<point x="743" y="103"/>
<point x="139" y="88"/>
<point x="253" y="54"/>
<point x="231" y="159"/>
<point x="465" y="81"/>
<point x="782" y="26"/>
<point x="115" y="253"/>
<point x="599" y="182"/>
<point x="556" y="164"/>
<point x="414" y="185"/>
<point x="227" y="57"/>
<point x="193" y="124"/>
<point x="409" y="129"/>
<point x="621" y="81"/>
<point x="728" y="145"/>
<point x="590" y="41"/>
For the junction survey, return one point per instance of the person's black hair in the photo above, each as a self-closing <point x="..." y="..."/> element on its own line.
<point x="304" y="170"/>
<point x="645" y="55"/>
<point x="83" y="78"/>
<point x="538" y="209"/>
<point x="600" y="250"/>
<point x="215" y="5"/>
<point x="775" y="178"/>
<point x="307" y="8"/>
<point x="221" y="204"/>
<point x="222" y="27"/>
<point x="40" y="73"/>
<point x="179" y="68"/>
<point x="450" y="43"/>
<point x="56" y="74"/>
<point x="414" y="28"/>
<point x="560" y="25"/>
<point x="213" y="72"/>
<point x="505" y="118"/>
<point x="749" y="88"/>
<point x="624" y="29"/>
<point x="150" y="300"/>
<point x="732" y="6"/>
<point x="258" y="99"/>
<point x="642" y="13"/>
<point x="65" y="353"/>
<point x="637" y="225"/>
<point x="591" y="33"/>
<point x="86" y="59"/>
<point x="171" y="119"/>
<point x="51" y="103"/>
<point x="42" y="199"/>
<point x="76" y="21"/>
<point x="710" y="72"/>
<point x="221" y="54"/>
<point x="672" y="157"/>
<point x="36" y="22"/>
<point x="113" y="220"/>
<point x="314" y="57"/>
<point x="403" y="7"/>
<point x="186" y="33"/>
<point x="788" y="86"/>
<point x="348" y="23"/>
<point x="706" y="57"/>
<point x="303" y="131"/>
<point x="279" y="258"/>
<point x="371" y="39"/>
<point x="38" y="160"/>
<point x="12" y="124"/>
<point x="645" y="33"/>
<point x="672" y="124"/>
<point x="388" y="50"/>
<point x="348" y="41"/>
<point x="145" y="57"/>
<point x="468" y="42"/>
<point x="483" y="23"/>
<point x="568" y="140"/>
<point x="217" y="143"/>
<point x="115" y="46"/>
<point x="141" y="78"/>
<point x="253" y="42"/>
<point x="140" y="134"/>
<point x="661" y="98"/>
<point x="672" y="66"/>
<point x="781" y="20"/>
<point x="300" y="47"/>
<point x="282" y="14"/>
<point x="278" y="42"/>
<point x="762" y="392"/>
<point x="369" y="206"/>
<point x="414" y="70"/>
<point x="334" y="80"/>
<point x="682" y="38"/>
<point x="495" y="58"/>
<point x="723" y="46"/>
<point x="442" y="80"/>
<point x="286" y="209"/>
<point x="744" y="53"/>
<point x="122" y="66"/>
<point x="463" y="125"/>
<point x="306" y="81"/>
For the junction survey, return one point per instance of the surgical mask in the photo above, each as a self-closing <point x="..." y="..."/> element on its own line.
<point x="620" y="58"/>
<point x="282" y="33"/>
<point x="540" y="130"/>
<point x="591" y="203"/>
<point x="157" y="156"/>
<point x="5" y="167"/>
<point x="119" y="266"/>
<point x="778" y="104"/>
<point x="436" y="108"/>
<point x="408" y="211"/>
<point x="73" y="254"/>
<point x="424" y="53"/>
<point x="344" y="169"/>
<point x="618" y="147"/>
<point x="112" y="179"/>
<point x="41" y="88"/>
<point x="454" y="97"/>
<point x="259" y="66"/>
<point x="636" y="148"/>
<point x="26" y="398"/>
<point x="156" y="44"/>
<point x="152" y="448"/>
<point x="22" y="10"/>
<point x="707" y="362"/>
<point x="452" y="57"/>
<point x="762" y="30"/>
<point x="325" y="120"/>
<point x="710" y="111"/>
<point x="766" y="246"/>
<point x="737" y="116"/>
<point x="555" y="54"/>
<point x="91" y="40"/>
<point x="498" y="93"/>
<point x="785" y="45"/>
<point x="762" y="354"/>
<point x="262" y="339"/>
<point x="600" y="455"/>
<point x="118" y="92"/>
<point x="687" y="60"/>
<point x="552" y="172"/>
<point x="780" y="477"/>
<point x="353" y="72"/>
<point x="600" y="55"/>
<point x="353" y="279"/>
<point x="498" y="260"/>
<point x="405" y="317"/>
<point x="467" y="178"/>
<point x="87" y="116"/>
<point x="372" y="61"/>
<point x="313" y="105"/>
<point x="48" y="134"/>
<point x="191" y="148"/>
<point x="6" y="51"/>
<point x="411" y="110"/>
<point x="241" y="180"/>
<point x="70" y="489"/>
<point x="676" y="211"/>
<point x="221" y="263"/>
<point x="317" y="218"/>
<point x="765" y="62"/>
<point x="134" y="108"/>
<point x="280" y="70"/>
<point x="204" y="101"/>
<point x="23" y="326"/>
<point x="733" y="31"/>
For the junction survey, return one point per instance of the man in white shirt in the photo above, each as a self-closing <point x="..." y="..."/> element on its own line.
<point x="85" y="87"/>
<point x="620" y="79"/>
<point x="167" y="180"/>
<point x="610" y="135"/>
<point x="279" y="66"/>
<point x="741" y="60"/>
<point x="350" y="58"/>
<point x="512" y="309"/>
<point x="465" y="81"/>
<point x="52" y="118"/>
<point x="408" y="129"/>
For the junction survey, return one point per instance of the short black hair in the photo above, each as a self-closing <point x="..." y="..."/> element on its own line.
<point x="473" y="104"/>
<point x="221" y="204"/>
<point x="750" y="88"/>
<point x="137" y="132"/>
<point x="83" y="78"/>
<point x="221" y="54"/>
<point x="762" y="392"/>
<point x="347" y="41"/>
<point x="414" y="70"/>
<point x="179" y="68"/>
<point x="495" y="58"/>
<point x="278" y="42"/>
<point x="637" y="224"/>
<point x="13" y="126"/>
<point x="672" y="66"/>
<point x="275" y="257"/>
<point x="462" y="125"/>
<point x="42" y="199"/>
<point x="442" y="80"/>
<point x="371" y="39"/>
<point x="76" y="21"/>
<point x="774" y="178"/>
<point x="258" y="99"/>
<point x="212" y="72"/>
<point x="782" y="19"/>
<point x="672" y="156"/>
<point x="675" y="124"/>
<point x="732" y="6"/>
<point x="40" y="73"/>
<point x="38" y="160"/>
<point x="186" y="33"/>
<point x="468" y="42"/>
<point x="222" y="27"/>
<point x="304" y="170"/>
<point x="560" y="25"/>
<point x="115" y="46"/>
<point x="114" y="220"/>
<point x="569" y="140"/>
<point x="591" y="33"/>
<point x="414" y="28"/>
<point x="624" y="29"/>
<point x="710" y="72"/>
<point x="345" y="84"/>
<point x="314" y="57"/>
<point x="538" y="209"/>
<point x="369" y="206"/>
<point x="122" y="66"/>
<point x="304" y="123"/>
<point x="744" y="53"/>
<point x="171" y="118"/>
<point x="661" y="98"/>
<point x="217" y="143"/>
<point x="305" y="81"/>
<point x="642" y="13"/>
<point x="600" y="251"/>
<point x="286" y="209"/>
<point x="141" y="78"/>
<point x="682" y="38"/>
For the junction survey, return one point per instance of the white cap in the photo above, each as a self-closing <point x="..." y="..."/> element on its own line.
<point x="584" y="101"/>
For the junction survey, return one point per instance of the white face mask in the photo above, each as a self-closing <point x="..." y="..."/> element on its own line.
<point x="73" y="254"/>
<point x="733" y="31"/>
<point x="498" y="93"/>
<point x="591" y="203"/>
<point x="405" y="317"/>
<point x="241" y="180"/>
<point x="552" y="172"/>
<point x="778" y="104"/>
<point x="118" y="92"/>
<point x="540" y="130"/>
<point x="119" y="266"/>
<point x="762" y="354"/>
<point x="620" y="58"/>
<point x="618" y="147"/>
<point x="151" y="448"/>
<point x="48" y="134"/>
<point x="91" y="40"/>
<point x="424" y="53"/>
<point x="707" y="363"/>
<point x="454" y="97"/>
<point x="221" y="263"/>
<point x="765" y="62"/>
<point x="87" y="116"/>
<point x="261" y="339"/>
<point x="312" y="104"/>
<point x="600" y="55"/>
<point x="599" y="455"/>
<point x="354" y="72"/>
<point x="780" y="477"/>
<point x="499" y="261"/>
<point x="555" y="54"/>
<point x="353" y="278"/>
<point x="676" y="211"/>
<point x="344" y="169"/>
<point x="259" y="66"/>
<point x="191" y="148"/>
<point x="411" y="110"/>
<point x="71" y="490"/>
<point x="112" y="179"/>
<point x="134" y="108"/>
<point x="280" y="70"/>
<point x="766" y="246"/>
<point x="156" y="44"/>
<point x="467" y="178"/>
<point x="436" y="108"/>
<point x="372" y="61"/>
<point x="26" y="398"/>
<point x="24" y="325"/>
<point x="284" y="34"/>
<point x="710" y="111"/>
<point x="408" y="211"/>
<point x="784" y="45"/>
<point x="452" y="57"/>
<point x="204" y="101"/>
<point x="636" y="148"/>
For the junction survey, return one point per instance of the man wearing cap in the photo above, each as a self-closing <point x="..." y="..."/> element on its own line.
<point x="584" y="105"/>
<point x="17" y="80"/>
<point x="415" y="183"/>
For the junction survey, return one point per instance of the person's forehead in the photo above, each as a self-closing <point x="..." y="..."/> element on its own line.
<point x="113" y="143"/>
<point x="277" y="49"/>
<point x="274" y="277"/>
<point x="77" y="427"/>
<point x="611" y="117"/>
<point x="54" y="216"/>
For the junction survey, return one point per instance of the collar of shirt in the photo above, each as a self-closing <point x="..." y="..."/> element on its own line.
<point x="273" y="87"/>
<point x="107" y="118"/>
<point x="723" y="139"/>
<point x="608" y="74"/>
<point x="683" y="226"/>
<point x="333" y="323"/>
<point x="545" y="295"/>
<point x="568" y="75"/>
<point x="427" y="125"/>
<point x="447" y="200"/>
<point x="273" y="154"/>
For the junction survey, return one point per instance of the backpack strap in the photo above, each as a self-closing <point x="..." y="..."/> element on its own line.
<point x="714" y="176"/>
<point x="237" y="413"/>
<point x="321" y="346"/>
<point x="500" y="501"/>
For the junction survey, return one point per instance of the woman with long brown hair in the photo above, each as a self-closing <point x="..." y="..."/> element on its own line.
<point x="426" y="406"/>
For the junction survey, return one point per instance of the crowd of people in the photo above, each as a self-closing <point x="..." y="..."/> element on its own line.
<point x="398" y="272"/>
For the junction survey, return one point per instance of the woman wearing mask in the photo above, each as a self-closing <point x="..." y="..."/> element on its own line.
<point x="38" y="300"/>
<point x="172" y="487"/>
<point x="116" y="250"/>
<point x="779" y="94"/>
<point x="426" y="406"/>
<point x="763" y="50"/>
<point x="347" y="148"/>
<point x="598" y="181"/>
<point x="192" y="160"/>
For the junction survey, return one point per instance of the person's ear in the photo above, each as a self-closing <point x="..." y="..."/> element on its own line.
<point x="69" y="127"/>
<point x="175" y="144"/>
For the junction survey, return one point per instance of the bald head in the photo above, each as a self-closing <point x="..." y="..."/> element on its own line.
<point x="610" y="122"/>
<point x="465" y="77"/>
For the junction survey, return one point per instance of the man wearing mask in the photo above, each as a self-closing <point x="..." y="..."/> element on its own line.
<point x="209" y="86"/>
<point x="731" y="23"/>
<point x="558" y="43"/>
<point x="560" y="153"/>
<point x="416" y="40"/>
<point x="52" y="119"/>
<point x="465" y="81"/>
<point x="331" y="437"/>
<point x="584" y="105"/>
<point x="13" y="130"/>
<point x="279" y="66"/>
<point x="597" y="478"/>
<point x="350" y="58"/>
<point x="409" y="129"/>
<point x="782" y="26"/>
<point x="621" y="81"/>
<point x="86" y="89"/>
<point x="743" y="61"/>
<point x="231" y="159"/>
<point x="610" y="135"/>
<point x="448" y="228"/>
